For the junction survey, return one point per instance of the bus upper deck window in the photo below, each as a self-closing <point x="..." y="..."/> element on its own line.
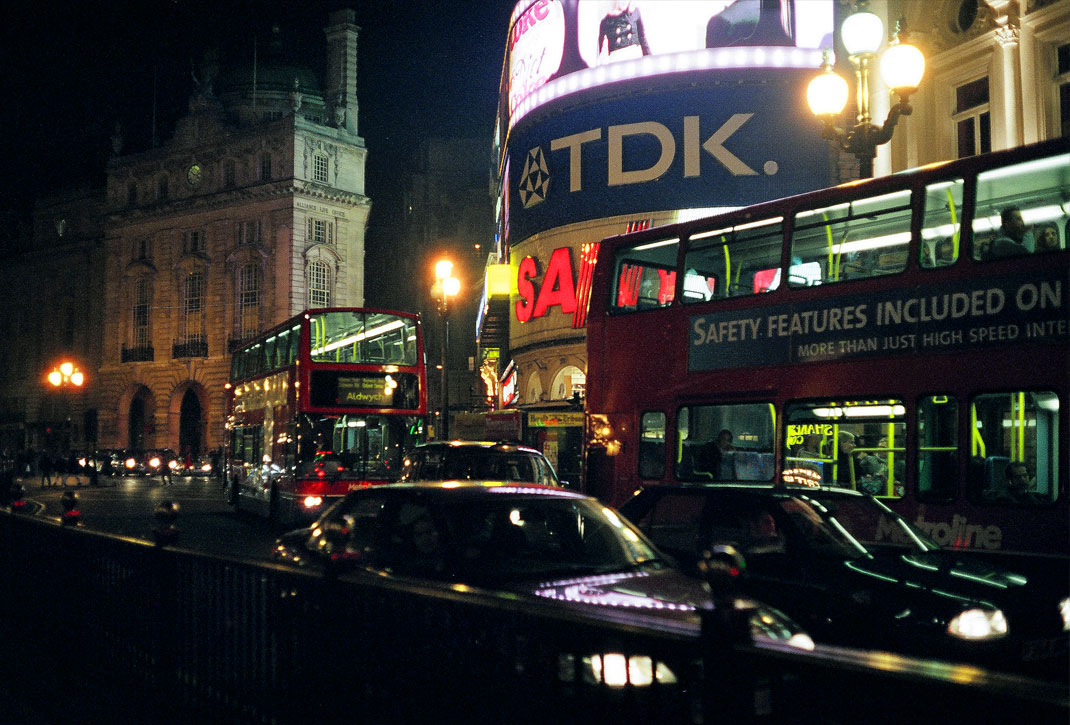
<point x="1017" y="205"/>
<point x="741" y="259"/>
<point x="941" y="231"/>
<point x="645" y="276"/>
<point x="863" y="238"/>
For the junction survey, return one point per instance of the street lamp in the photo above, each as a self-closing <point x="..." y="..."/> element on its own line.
<point x="445" y="286"/>
<point x="66" y="376"/>
<point x="901" y="65"/>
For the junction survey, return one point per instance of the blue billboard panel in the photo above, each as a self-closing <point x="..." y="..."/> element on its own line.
<point x="713" y="145"/>
<point x="970" y="313"/>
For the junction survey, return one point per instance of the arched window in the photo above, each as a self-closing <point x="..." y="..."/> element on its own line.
<point x="250" y="282"/>
<point x="192" y="323"/>
<point x="142" y="331"/>
<point x="319" y="284"/>
<point x="568" y="381"/>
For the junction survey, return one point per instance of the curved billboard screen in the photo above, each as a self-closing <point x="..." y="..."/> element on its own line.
<point x="560" y="47"/>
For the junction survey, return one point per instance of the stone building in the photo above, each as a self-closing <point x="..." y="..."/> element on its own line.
<point x="252" y="212"/>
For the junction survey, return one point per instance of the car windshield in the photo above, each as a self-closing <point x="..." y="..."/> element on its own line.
<point x="448" y="463"/>
<point x="851" y="526"/>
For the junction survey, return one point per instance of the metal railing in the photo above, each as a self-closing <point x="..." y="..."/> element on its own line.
<point x="126" y="631"/>
<point x="137" y="354"/>
<point x="189" y="348"/>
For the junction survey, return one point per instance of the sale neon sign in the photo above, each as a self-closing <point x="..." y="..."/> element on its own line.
<point x="560" y="286"/>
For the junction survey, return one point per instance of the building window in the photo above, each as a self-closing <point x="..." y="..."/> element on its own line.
<point x="131" y="194"/>
<point x="319" y="168"/>
<point x="972" y="120"/>
<point x="265" y="167"/>
<point x="249" y="232"/>
<point x="1062" y="82"/>
<point x="250" y="281"/>
<point x="319" y="284"/>
<point x="229" y="173"/>
<point x="192" y="323"/>
<point x="142" y="297"/>
<point x="193" y="242"/>
<point x="143" y="249"/>
<point x="320" y="231"/>
<point x="161" y="188"/>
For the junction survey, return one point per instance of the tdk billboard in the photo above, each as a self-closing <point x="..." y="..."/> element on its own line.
<point x="632" y="107"/>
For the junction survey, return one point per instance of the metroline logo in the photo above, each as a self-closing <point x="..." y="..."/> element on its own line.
<point x="535" y="176"/>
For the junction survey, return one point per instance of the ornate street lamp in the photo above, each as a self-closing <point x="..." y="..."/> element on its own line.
<point x="901" y="65"/>
<point x="66" y="377"/>
<point x="445" y="286"/>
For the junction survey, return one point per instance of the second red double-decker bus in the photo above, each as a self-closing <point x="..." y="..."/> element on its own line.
<point x="326" y="402"/>
<point x="907" y="336"/>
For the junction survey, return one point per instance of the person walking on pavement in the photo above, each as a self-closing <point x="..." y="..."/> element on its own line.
<point x="44" y="465"/>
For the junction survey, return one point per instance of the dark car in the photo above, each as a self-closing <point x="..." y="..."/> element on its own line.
<point x="536" y="543"/>
<point x="853" y="572"/>
<point x="477" y="461"/>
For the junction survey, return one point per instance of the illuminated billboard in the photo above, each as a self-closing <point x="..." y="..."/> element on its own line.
<point x="560" y="47"/>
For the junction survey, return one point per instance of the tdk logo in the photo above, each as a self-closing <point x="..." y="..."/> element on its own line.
<point x="534" y="182"/>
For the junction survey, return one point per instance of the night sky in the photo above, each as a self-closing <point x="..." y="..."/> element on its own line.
<point x="72" y="69"/>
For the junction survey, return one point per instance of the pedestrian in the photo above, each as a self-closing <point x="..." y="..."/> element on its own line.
<point x="45" y="466"/>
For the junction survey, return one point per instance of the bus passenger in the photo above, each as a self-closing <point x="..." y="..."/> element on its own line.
<point x="845" y="464"/>
<point x="1015" y="237"/>
<point x="1017" y="486"/>
<point x="1047" y="238"/>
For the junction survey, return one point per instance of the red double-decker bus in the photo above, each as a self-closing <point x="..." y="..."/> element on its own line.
<point x="326" y="402"/>
<point x="908" y="336"/>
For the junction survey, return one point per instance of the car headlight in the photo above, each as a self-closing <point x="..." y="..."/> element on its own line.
<point x="978" y="624"/>
<point x="311" y="502"/>
<point x="1064" y="611"/>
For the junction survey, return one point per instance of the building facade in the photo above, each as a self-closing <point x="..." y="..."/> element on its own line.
<point x="591" y="146"/>
<point x="254" y="211"/>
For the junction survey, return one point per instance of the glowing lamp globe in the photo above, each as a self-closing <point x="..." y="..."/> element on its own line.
<point x="902" y="66"/>
<point x="451" y="286"/>
<point x="862" y="33"/>
<point x="827" y="94"/>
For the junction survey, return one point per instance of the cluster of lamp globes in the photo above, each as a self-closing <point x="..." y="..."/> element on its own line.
<point x="901" y="65"/>
<point x="66" y="374"/>
<point x="446" y="285"/>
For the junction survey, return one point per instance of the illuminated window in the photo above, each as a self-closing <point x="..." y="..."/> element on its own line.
<point x="1014" y="448"/>
<point x="725" y="442"/>
<point x="319" y="284"/>
<point x="142" y="298"/>
<point x="941" y="232"/>
<point x="319" y="168"/>
<point x="645" y="276"/>
<point x="973" y="122"/>
<point x="737" y="260"/>
<point x="938" y="452"/>
<point x="852" y="240"/>
<point x="250" y="281"/>
<point x="192" y="322"/>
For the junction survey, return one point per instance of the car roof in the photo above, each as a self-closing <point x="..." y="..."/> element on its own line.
<point x="474" y="488"/>
<point x="505" y="446"/>
<point x="757" y="489"/>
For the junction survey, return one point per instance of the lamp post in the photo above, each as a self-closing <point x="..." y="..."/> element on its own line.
<point x="445" y="286"/>
<point x="66" y="376"/>
<point x="901" y="66"/>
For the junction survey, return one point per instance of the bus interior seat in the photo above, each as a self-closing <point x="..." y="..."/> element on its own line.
<point x="753" y="466"/>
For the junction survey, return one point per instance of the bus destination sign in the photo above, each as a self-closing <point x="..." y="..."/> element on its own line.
<point x="964" y="314"/>
<point x="364" y="391"/>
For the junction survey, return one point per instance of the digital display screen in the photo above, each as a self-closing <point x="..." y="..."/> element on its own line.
<point x="559" y="47"/>
<point x="337" y="388"/>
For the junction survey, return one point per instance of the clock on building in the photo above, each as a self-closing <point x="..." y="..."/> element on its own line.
<point x="194" y="175"/>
